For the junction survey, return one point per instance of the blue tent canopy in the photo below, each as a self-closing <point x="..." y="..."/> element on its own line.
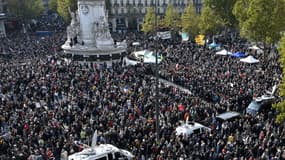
<point x="214" y="45"/>
<point x="238" y="54"/>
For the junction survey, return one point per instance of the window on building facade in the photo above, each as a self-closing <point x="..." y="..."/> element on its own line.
<point x="122" y="2"/>
<point x="174" y="2"/>
<point x="199" y="1"/>
<point x="122" y="11"/>
<point x="151" y="2"/>
<point x="199" y="10"/>
<point x="183" y="3"/>
<point x="140" y="3"/>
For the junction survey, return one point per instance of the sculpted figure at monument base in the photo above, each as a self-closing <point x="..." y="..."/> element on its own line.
<point x="73" y="29"/>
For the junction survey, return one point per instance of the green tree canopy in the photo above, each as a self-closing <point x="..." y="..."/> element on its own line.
<point x="172" y="18"/>
<point x="240" y="9"/>
<point x="280" y="107"/>
<point x="26" y="9"/>
<point x="190" y="21"/>
<point x="209" y="22"/>
<point x="52" y="5"/>
<point x="161" y="23"/>
<point x="260" y="20"/>
<point x="62" y="8"/>
<point x="149" y="20"/>
<point x="223" y="8"/>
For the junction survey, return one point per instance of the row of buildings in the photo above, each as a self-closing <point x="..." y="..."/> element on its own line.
<point x="129" y="14"/>
<point x="123" y="14"/>
<point x="3" y="11"/>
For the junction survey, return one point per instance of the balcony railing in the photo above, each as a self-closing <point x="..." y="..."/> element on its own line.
<point x="116" y="4"/>
<point x="127" y="14"/>
<point x="3" y="16"/>
<point x="164" y="5"/>
<point x="140" y="4"/>
<point x="3" y="3"/>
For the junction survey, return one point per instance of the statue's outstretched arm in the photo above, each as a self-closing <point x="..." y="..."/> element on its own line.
<point x="69" y="10"/>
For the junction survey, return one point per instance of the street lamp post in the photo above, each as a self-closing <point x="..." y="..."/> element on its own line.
<point x="156" y="75"/>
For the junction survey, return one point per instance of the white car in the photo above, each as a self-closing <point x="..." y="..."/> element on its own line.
<point x="102" y="152"/>
<point x="191" y="127"/>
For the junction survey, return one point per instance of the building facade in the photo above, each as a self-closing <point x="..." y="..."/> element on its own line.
<point x="3" y="11"/>
<point x="129" y="14"/>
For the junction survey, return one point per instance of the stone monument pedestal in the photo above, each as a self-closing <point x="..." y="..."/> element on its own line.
<point x="88" y="35"/>
<point x="93" y="54"/>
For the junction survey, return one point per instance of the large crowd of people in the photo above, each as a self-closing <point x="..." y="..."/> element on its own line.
<point x="48" y="103"/>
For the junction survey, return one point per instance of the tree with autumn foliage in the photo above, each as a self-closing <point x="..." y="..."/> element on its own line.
<point x="260" y="20"/>
<point x="27" y="9"/>
<point x="149" y="21"/>
<point x="190" y="21"/>
<point x="172" y="19"/>
<point x="209" y="23"/>
<point x="280" y="107"/>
